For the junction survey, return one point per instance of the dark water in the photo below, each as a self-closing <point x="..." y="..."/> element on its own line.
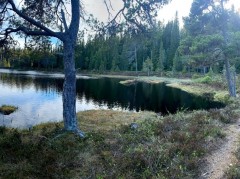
<point x="38" y="97"/>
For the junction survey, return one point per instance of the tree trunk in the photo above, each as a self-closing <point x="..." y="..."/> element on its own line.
<point x="69" y="90"/>
<point x="230" y="78"/>
<point x="135" y="54"/>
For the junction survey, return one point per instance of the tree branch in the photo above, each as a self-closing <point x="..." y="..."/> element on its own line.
<point x="115" y="17"/>
<point x="26" y="31"/>
<point x="64" y="21"/>
<point x="75" y="21"/>
<point x="47" y="31"/>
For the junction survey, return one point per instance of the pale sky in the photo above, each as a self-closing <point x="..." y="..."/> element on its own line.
<point x="98" y="8"/>
<point x="183" y="7"/>
<point x="165" y="14"/>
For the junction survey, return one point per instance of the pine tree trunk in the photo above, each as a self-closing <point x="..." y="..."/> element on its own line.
<point x="69" y="89"/>
<point x="230" y="79"/>
<point x="229" y="76"/>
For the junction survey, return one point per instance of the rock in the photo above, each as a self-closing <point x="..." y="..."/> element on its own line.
<point x="134" y="125"/>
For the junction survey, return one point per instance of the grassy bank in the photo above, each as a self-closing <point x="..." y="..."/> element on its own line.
<point x="160" y="147"/>
<point x="214" y="87"/>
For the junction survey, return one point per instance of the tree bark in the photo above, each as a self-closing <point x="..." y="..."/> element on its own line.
<point x="230" y="78"/>
<point x="69" y="86"/>
<point x="69" y="90"/>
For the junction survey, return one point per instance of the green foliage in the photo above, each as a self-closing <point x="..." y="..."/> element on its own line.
<point x="171" y="41"/>
<point x="177" y="62"/>
<point x="148" y="65"/>
<point x="162" y="58"/>
<point x="210" y="72"/>
<point x="196" y="76"/>
<point x="205" y="79"/>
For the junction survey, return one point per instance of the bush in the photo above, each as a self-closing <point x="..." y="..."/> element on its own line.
<point x="196" y="76"/>
<point x="205" y="79"/>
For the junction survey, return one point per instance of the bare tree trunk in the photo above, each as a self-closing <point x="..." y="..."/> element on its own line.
<point x="69" y="90"/>
<point x="135" y="54"/>
<point x="230" y="76"/>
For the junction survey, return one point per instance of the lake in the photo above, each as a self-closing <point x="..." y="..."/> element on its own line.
<point x="39" y="97"/>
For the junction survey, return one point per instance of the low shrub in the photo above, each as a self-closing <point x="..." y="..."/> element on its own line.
<point x="206" y="79"/>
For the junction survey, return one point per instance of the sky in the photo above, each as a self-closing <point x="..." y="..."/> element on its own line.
<point x="98" y="8"/>
<point x="183" y="9"/>
<point x="165" y="14"/>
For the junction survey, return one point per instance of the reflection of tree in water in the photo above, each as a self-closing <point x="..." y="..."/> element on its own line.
<point x="140" y="96"/>
<point x="48" y="85"/>
<point x="13" y="80"/>
<point x="109" y="92"/>
<point x="22" y="82"/>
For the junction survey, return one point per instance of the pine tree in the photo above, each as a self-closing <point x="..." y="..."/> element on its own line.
<point x="177" y="63"/>
<point x="162" y="59"/>
<point x="175" y="41"/>
<point x="148" y="66"/>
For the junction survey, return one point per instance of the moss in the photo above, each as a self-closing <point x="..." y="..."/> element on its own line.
<point x="222" y="96"/>
<point x="7" y="109"/>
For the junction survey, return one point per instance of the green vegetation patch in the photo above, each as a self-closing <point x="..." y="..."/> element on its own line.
<point x="204" y="90"/>
<point x="160" y="147"/>
<point x="205" y="79"/>
<point x="7" y="109"/>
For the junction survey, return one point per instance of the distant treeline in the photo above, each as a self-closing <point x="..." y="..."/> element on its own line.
<point x="198" y="46"/>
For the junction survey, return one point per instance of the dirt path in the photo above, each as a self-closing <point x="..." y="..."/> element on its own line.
<point x="223" y="157"/>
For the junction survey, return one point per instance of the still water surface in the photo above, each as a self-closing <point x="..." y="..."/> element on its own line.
<point x="38" y="97"/>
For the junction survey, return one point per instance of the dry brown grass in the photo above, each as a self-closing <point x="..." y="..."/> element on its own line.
<point x="106" y="120"/>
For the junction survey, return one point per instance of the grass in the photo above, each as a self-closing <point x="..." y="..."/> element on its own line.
<point x="161" y="147"/>
<point x="212" y="87"/>
<point x="154" y="79"/>
<point x="7" y="109"/>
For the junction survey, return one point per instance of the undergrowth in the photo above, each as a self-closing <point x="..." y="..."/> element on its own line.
<point x="161" y="147"/>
